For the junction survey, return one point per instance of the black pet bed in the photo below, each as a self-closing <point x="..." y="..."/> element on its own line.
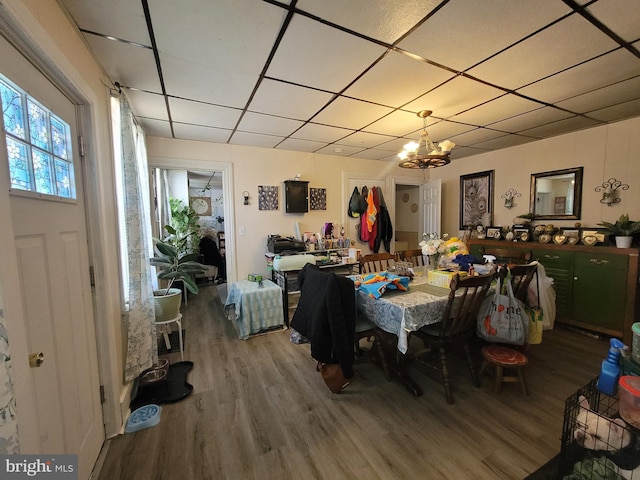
<point x="173" y="389"/>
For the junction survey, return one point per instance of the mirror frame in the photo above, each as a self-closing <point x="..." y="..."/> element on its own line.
<point x="577" y="193"/>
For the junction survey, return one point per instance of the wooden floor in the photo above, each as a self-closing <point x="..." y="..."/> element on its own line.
<point x="259" y="410"/>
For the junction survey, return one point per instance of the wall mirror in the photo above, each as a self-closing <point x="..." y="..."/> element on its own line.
<point x="557" y="194"/>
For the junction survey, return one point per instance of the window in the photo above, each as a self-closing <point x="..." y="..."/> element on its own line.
<point x="38" y="145"/>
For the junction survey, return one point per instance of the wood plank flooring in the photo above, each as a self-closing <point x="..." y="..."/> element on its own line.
<point x="259" y="410"/>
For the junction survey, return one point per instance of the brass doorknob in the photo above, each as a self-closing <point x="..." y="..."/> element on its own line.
<point x="36" y="359"/>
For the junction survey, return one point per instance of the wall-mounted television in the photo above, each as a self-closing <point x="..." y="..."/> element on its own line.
<point x="296" y="196"/>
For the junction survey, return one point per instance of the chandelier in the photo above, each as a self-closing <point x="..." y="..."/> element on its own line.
<point x="424" y="153"/>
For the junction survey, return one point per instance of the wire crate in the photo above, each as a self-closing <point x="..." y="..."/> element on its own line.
<point x="586" y="463"/>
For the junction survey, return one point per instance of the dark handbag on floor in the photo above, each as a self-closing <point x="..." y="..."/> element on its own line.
<point x="333" y="376"/>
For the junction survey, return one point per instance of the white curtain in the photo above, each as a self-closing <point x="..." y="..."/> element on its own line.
<point x="164" y="199"/>
<point x="139" y="317"/>
<point x="8" y="422"/>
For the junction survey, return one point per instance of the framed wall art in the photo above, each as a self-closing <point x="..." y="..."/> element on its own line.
<point x="267" y="197"/>
<point x="476" y="198"/>
<point x="318" y="198"/>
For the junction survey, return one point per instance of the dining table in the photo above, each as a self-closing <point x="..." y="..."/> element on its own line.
<point x="398" y="313"/>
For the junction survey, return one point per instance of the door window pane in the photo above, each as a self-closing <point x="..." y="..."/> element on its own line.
<point x="38" y="145"/>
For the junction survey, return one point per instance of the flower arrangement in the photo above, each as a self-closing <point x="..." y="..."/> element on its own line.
<point x="432" y="244"/>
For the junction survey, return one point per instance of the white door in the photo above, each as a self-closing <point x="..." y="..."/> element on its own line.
<point x="54" y="282"/>
<point x="431" y="193"/>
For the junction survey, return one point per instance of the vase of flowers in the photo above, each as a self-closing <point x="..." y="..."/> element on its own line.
<point x="433" y="246"/>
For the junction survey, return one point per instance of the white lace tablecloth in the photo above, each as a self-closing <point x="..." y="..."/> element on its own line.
<point x="403" y="312"/>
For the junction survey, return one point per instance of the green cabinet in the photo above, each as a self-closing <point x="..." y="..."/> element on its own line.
<point x="600" y="284"/>
<point x="596" y="286"/>
<point x="559" y="266"/>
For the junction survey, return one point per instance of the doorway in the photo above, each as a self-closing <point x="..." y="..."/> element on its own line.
<point x="59" y="395"/>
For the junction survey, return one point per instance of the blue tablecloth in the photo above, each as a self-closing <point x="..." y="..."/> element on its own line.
<point x="257" y="308"/>
<point x="402" y="312"/>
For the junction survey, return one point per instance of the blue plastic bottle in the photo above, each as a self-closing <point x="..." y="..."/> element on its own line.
<point x="610" y="372"/>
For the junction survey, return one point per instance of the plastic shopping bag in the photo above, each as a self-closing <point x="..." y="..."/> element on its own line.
<point x="502" y="318"/>
<point x="536" y="324"/>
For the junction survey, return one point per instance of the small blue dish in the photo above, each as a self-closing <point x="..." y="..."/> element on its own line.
<point x="144" y="417"/>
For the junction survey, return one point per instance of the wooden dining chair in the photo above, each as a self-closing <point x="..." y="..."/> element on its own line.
<point x="457" y="326"/>
<point x="377" y="262"/>
<point x="414" y="256"/>
<point x="521" y="277"/>
<point x="508" y="255"/>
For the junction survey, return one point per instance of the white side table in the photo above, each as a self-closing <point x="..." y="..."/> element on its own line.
<point x="165" y="332"/>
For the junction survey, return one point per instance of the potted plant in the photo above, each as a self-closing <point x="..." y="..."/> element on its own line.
<point x="623" y="230"/>
<point x="173" y="264"/>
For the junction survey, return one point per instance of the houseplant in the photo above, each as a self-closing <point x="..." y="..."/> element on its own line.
<point x="173" y="264"/>
<point x="623" y="230"/>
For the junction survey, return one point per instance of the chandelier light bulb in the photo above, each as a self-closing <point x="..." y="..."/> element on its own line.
<point x="432" y="156"/>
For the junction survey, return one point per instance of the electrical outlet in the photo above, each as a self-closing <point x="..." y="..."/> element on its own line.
<point x="242" y="231"/>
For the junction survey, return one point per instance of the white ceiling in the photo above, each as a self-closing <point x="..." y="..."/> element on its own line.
<point x="347" y="77"/>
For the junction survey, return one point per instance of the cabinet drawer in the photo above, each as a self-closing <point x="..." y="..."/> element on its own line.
<point x="553" y="257"/>
<point x="595" y="260"/>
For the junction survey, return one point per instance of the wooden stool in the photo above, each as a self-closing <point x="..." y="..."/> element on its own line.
<point x="504" y="358"/>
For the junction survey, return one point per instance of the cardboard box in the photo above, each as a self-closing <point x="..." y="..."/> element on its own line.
<point x="442" y="278"/>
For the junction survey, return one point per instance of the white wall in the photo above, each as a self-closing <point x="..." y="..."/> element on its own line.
<point x="604" y="152"/>
<point x="269" y="167"/>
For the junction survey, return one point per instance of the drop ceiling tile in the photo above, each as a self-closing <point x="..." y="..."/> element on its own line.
<point x="295" y="144"/>
<point x="505" y="106"/>
<point x="504" y="142"/>
<point x="398" y="123"/>
<point x="305" y="56"/>
<point x="255" y="140"/>
<point x="462" y="152"/>
<point x="602" y="97"/>
<point x="198" y="113"/>
<point x="380" y="19"/>
<point x="268" y="124"/>
<point x="476" y="136"/>
<point x="155" y="128"/>
<point x="204" y="134"/>
<point x="150" y="105"/>
<point x="605" y="70"/>
<point x="206" y="83"/>
<point x="339" y="150"/>
<point x="462" y="34"/>
<point x="532" y="119"/>
<point x="348" y="113"/>
<point x="286" y="100"/>
<point x="397" y="79"/>
<point x="455" y="97"/>
<point x="225" y="35"/>
<point x="560" y="127"/>
<point x="443" y="130"/>
<point x="374" y="154"/>
<point x="122" y="19"/>
<point x="131" y="66"/>
<point x="365" y="140"/>
<point x="621" y="16"/>
<point x="321" y="133"/>
<point x="618" y="112"/>
<point x="560" y="46"/>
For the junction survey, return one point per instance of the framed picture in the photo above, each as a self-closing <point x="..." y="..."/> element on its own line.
<point x="267" y="197"/>
<point x="476" y="198"/>
<point x="521" y="234"/>
<point x="591" y="237"/>
<point x="494" y="233"/>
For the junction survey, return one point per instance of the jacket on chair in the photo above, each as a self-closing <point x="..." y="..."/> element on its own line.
<point x="326" y="316"/>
